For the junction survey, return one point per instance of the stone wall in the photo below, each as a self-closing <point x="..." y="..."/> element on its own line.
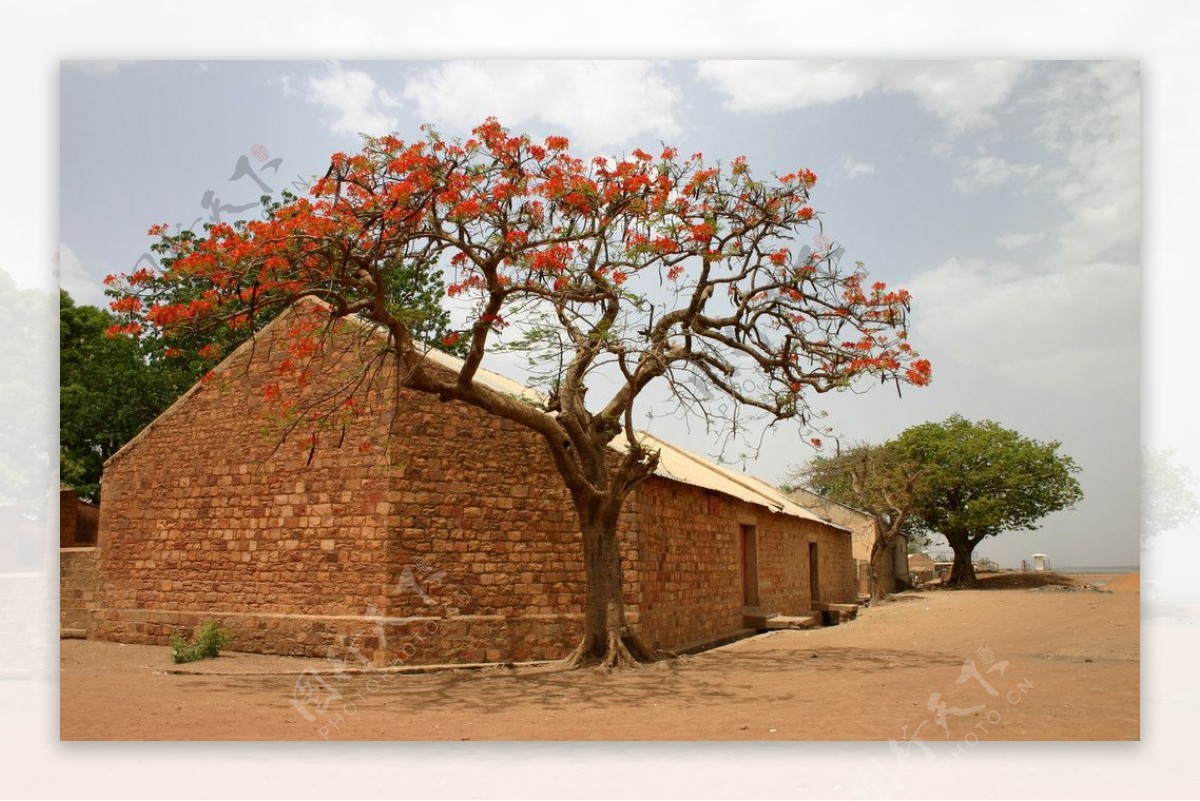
<point x="689" y="567"/>
<point x="78" y="577"/>
<point x="862" y="528"/>
<point x="835" y="567"/>
<point x="450" y="539"/>
<point x="689" y="584"/>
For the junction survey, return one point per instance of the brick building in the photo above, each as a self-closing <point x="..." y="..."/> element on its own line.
<point x="450" y="539"/>
<point x="893" y="565"/>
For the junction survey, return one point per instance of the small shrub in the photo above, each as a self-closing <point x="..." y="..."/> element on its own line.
<point x="208" y="642"/>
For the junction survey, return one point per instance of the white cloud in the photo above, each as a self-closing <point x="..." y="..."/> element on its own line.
<point x="1033" y="328"/>
<point x="987" y="172"/>
<point x="1014" y="241"/>
<point x="853" y="168"/>
<point x="358" y="104"/>
<point x="85" y="289"/>
<point x="962" y="93"/>
<point x="1094" y="118"/>
<point x="595" y="103"/>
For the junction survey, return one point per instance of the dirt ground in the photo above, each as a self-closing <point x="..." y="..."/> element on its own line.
<point x="1017" y="663"/>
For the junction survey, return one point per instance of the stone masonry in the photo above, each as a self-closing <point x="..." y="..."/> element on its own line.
<point x="78" y="574"/>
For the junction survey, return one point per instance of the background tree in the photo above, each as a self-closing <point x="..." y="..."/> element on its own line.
<point x="109" y="390"/>
<point x="979" y="480"/>
<point x="877" y="479"/>
<point x="615" y="272"/>
<point x="918" y="541"/>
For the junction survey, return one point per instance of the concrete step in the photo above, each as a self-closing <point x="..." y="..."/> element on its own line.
<point x="784" y="622"/>
<point x="842" y="612"/>
<point x="773" y="621"/>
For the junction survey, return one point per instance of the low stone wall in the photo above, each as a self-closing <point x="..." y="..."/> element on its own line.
<point x="377" y="641"/>
<point x="79" y="572"/>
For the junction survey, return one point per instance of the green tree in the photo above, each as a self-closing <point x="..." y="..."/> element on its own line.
<point x="979" y="480"/>
<point x="109" y="389"/>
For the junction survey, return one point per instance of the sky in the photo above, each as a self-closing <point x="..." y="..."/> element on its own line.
<point x="37" y="210"/>
<point x="1004" y="194"/>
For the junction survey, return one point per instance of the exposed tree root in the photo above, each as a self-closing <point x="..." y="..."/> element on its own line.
<point x="621" y="650"/>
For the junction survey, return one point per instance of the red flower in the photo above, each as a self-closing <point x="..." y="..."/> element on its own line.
<point x="210" y="351"/>
<point x="920" y="373"/>
<point x="127" y="304"/>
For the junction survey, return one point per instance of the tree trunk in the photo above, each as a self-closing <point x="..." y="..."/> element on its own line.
<point x="607" y="639"/>
<point x="962" y="572"/>
<point x="879" y="551"/>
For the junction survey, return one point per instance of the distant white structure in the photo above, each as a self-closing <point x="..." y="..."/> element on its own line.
<point x="1040" y="562"/>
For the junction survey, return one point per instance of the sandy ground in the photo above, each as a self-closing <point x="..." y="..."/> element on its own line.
<point x="965" y="666"/>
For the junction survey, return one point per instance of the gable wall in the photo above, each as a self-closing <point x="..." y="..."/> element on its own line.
<point x="209" y="515"/>
<point x="451" y="540"/>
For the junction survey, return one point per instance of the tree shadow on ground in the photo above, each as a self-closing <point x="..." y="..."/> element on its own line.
<point x="771" y="674"/>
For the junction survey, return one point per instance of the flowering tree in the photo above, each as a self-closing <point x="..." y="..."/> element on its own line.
<point x="638" y="269"/>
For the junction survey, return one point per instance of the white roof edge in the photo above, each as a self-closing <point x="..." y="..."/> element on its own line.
<point x="680" y="464"/>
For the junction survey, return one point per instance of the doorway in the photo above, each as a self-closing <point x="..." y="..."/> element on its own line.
<point x="814" y="579"/>
<point x="748" y="541"/>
